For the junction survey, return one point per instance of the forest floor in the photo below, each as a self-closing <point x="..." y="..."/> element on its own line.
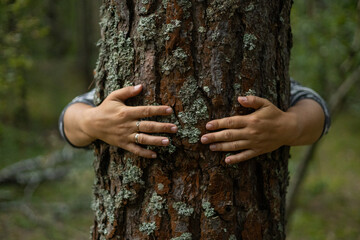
<point x="328" y="205"/>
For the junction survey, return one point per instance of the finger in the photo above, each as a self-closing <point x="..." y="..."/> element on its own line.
<point x="240" y="157"/>
<point x="157" y="127"/>
<point x="150" y="140"/>
<point x="253" y="102"/>
<point x="229" y="122"/>
<point x="223" y="136"/>
<point x="125" y="93"/>
<point x="142" y="152"/>
<point x="230" y="146"/>
<point x="149" y="111"/>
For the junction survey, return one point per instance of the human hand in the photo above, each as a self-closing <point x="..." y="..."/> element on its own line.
<point x="116" y="124"/>
<point x="262" y="131"/>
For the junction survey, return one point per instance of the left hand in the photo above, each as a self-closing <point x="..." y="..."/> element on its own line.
<point x="262" y="131"/>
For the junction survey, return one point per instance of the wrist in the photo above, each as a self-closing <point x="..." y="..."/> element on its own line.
<point x="87" y="119"/>
<point x="292" y="128"/>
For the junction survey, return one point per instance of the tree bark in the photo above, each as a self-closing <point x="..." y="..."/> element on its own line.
<point x="196" y="56"/>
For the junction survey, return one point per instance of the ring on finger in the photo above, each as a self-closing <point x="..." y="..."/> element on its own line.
<point x="137" y="138"/>
<point x="138" y="125"/>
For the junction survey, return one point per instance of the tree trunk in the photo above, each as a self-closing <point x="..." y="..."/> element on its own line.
<point x="196" y="56"/>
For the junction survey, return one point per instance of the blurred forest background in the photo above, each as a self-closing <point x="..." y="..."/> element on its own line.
<point x="47" y="55"/>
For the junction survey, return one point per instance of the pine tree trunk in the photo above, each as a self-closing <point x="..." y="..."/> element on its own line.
<point x="196" y="56"/>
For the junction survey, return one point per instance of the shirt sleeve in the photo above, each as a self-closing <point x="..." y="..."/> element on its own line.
<point x="299" y="92"/>
<point x="87" y="98"/>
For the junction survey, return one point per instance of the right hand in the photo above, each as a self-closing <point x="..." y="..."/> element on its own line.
<point x="115" y="123"/>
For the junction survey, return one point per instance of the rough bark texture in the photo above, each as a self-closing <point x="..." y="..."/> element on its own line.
<point x="196" y="56"/>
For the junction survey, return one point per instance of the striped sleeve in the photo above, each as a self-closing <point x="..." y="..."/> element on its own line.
<point x="299" y="92"/>
<point x="87" y="98"/>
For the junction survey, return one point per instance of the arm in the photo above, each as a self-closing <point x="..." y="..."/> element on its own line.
<point x="267" y="129"/>
<point x="115" y="123"/>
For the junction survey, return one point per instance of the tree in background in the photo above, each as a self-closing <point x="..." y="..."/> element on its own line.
<point x="196" y="56"/>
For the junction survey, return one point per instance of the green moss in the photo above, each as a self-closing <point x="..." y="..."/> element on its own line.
<point x="208" y="210"/>
<point x="155" y="205"/>
<point x="249" y="41"/>
<point x="184" y="236"/>
<point x="183" y="209"/>
<point x="147" y="228"/>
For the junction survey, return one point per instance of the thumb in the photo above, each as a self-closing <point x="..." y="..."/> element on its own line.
<point x="253" y="102"/>
<point x="125" y="93"/>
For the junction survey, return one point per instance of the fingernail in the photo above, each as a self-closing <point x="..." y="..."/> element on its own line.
<point x="165" y="141"/>
<point x="209" y="126"/>
<point x="227" y="160"/>
<point x="174" y="129"/>
<point x="137" y="87"/>
<point x="204" y="139"/>
<point x="169" y="110"/>
<point x="212" y="147"/>
<point x="243" y="99"/>
<point x="153" y="156"/>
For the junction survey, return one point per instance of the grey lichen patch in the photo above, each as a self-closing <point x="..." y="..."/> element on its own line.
<point x="250" y="7"/>
<point x="219" y="8"/>
<point x="160" y="186"/>
<point x="201" y="29"/>
<point x="131" y="174"/>
<point x="170" y="27"/>
<point x="184" y="236"/>
<point x="183" y="209"/>
<point x="249" y="41"/>
<point x="116" y="53"/>
<point x="186" y="5"/>
<point x="250" y="92"/>
<point x="124" y="194"/>
<point x="147" y="28"/>
<point x="237" y="89"/>
<point x="177" y="59"/>
<point x="208" y="210"/>
<point x="165" y="3"/>
<point x="155" y="205"/>
<point x="206" y="89"/>
<point x="104" y="207"/>
<point x="147" y="227"/>
<point x="195" y="109"/>
<point x="232" y="237"/>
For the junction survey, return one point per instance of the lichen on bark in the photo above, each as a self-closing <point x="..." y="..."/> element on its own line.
<point x="197" y="57"/>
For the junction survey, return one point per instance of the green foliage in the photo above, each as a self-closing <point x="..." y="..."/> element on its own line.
<point x="20" y="29"/>
<point x="326" y="46"/>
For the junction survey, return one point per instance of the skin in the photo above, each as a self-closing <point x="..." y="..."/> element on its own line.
<point x="262" y="131"/>
<point x="115" y="123"/>
<point x="266" y="129"/>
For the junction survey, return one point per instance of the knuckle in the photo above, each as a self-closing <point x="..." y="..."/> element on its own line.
<point x="236" y="145"/>
<point x="230" y="123"/>
<point x="147" y="112"/>
<point x="228" y="135"/>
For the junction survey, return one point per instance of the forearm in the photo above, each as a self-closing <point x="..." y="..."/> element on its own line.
<point x="73" y="125"/>
<point x="309" y="119"/>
